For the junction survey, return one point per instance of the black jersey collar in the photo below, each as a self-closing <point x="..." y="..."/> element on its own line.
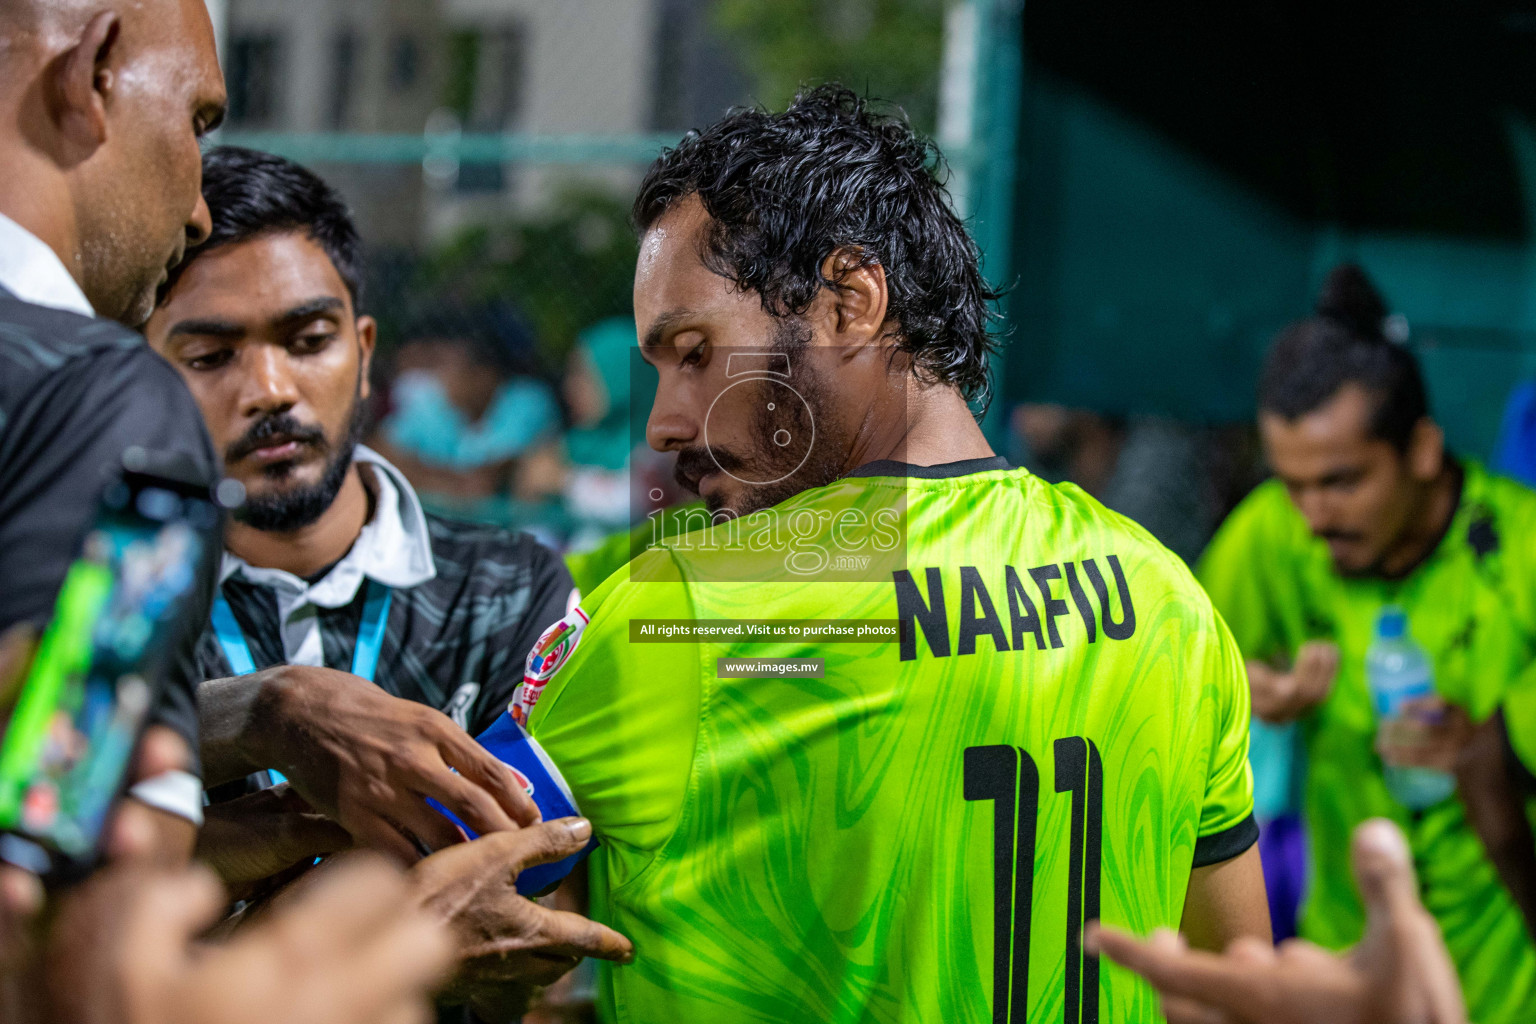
<point x="943" y="471"/>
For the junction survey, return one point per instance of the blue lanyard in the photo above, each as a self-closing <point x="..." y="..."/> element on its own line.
<point x="370" y="635"/>
<point x="365" y="658"/>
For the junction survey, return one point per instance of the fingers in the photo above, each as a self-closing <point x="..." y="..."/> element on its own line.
<point x="21" y="894"/>
<point x="21" y="898"/>
<point x="1268" y="690"/>
<point x="474" y="805"/>
<point x="311" y="835"/>
<point x="372" y="832"/>
<point x="161" y="749"/>
<point x="1316" y="665"/>
<point x="512" y="852"/>
<point x="420" y="820"/>
<point x="356" y="924"/>
<point x="492" y="777"/>
<point x="168" y="910"/>
<point x="410" y="956"/>
<point x="1384" y="872"/>
<point x="550" y="841"/>
<point x="1189" y="1011"/>
<point x="133" y="833"/>
<point x="342" y="902"/>
<point x="1416" y="743"/>
<point x="1399" y="926"/>
<point x="576" y="936"/>
<point x="1428" y="708"/>
<point x="1175" y="970"/>
<point x="1320" y="657"/>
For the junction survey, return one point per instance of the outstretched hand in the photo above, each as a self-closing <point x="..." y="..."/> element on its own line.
<point x="1399" y="974"/>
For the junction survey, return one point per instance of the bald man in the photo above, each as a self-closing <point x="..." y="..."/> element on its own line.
<point x="101" y="108"/>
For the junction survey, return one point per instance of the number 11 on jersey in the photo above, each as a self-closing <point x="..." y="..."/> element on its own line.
<point x="1008" y="777"/>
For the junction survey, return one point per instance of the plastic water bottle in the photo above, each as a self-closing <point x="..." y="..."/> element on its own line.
<point x="1397" y="670"/>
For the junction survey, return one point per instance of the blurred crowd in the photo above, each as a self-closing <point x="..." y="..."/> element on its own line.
<point x="486" y="432"/>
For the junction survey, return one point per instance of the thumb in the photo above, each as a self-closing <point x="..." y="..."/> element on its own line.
<point x="1384" y="871"/>
<point x="549" y="841"/>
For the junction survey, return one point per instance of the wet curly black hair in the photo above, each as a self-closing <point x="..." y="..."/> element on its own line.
<point x="830" y="174"/>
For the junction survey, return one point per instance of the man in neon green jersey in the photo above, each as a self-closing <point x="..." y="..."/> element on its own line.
<point x="1052" y="727"/>
<point x="1367" y="511"/>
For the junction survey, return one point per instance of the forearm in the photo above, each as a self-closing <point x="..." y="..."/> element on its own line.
<point x="234" y="718"/>
<point x="1226" y="902"/>
<point x="1496" y="809"/>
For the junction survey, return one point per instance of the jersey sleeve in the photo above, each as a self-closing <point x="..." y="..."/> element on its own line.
<point x="620" y="720"/>
<point x="1233" y="574"/>
<point x="1227" y="826"/>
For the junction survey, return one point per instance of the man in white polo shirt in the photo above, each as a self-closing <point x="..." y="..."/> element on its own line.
<point x="331" y="566"/>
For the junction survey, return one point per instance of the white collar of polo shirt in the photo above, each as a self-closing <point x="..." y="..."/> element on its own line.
<point x="393" y="548"/>
<point x="33" y="272"/>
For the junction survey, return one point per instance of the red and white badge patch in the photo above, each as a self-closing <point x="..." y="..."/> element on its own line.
<point x="552" y="650"/>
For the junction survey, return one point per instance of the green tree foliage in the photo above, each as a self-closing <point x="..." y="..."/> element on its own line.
<point x="889" y="49"/>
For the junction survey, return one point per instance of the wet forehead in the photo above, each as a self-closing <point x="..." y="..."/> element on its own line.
<point x="670" y="276"/>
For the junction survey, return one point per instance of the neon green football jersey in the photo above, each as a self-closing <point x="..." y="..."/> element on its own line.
<point x="1052" y="728"/>
<point x="1472" y="606"/>
<point x="591" y="567"/>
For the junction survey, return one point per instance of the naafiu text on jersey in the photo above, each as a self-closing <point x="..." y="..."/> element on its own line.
<point x="1029" y="603"/>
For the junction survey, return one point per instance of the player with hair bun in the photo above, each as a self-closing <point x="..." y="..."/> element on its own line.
<point x="1367" y="514"/>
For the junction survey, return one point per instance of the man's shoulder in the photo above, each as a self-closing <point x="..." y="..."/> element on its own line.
<point x="1269" y="506"/>
<point x="1500" y="518"/>
<point x="38" y="342"/>
<point x="92" y="380"/>
<point x="658" y="578"/>
<point x="464" y="549"/>
<point x="49" y="336"/>
<point x="1070" y="520"/>
<point x="1504" y="496"/>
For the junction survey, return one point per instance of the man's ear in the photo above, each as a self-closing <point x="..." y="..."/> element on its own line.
<point x="1426" y="449"/>
<point x="84" y="78"/>
<point x="367" y="336"/>
<point x="853" y="310"/>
